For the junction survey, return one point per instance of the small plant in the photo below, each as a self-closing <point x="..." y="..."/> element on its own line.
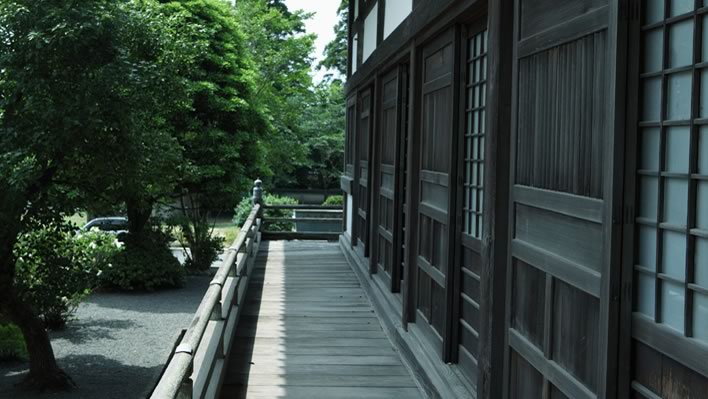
<point x="57" y="268"/>
<point x="145" y="264"/>
<point x="334" y="200"/>
<point x="12" y="344"/>
<point x="244" y="208"/>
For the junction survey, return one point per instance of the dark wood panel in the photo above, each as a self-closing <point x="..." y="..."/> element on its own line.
<point x="561" y="118"/>
<point x="664" y="339"/>
<point x="575" y="339"/>
<point x="577" y="240"/>
<point x="528" y="302"/>
<point x="526" y="382"/>
<point x="657" y="375"/>
<point x="539" y="15"/>
<point x="567" y="31"/>
<point x="585" y="208"/>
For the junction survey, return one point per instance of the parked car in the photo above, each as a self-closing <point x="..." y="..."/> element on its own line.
<point x="114" y="225"/>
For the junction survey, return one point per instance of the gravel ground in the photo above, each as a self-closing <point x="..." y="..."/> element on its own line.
<point x="118" y="343"/>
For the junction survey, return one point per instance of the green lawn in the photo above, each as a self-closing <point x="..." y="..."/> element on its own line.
<point x="78" y="219"/>
<point x="226" y="229"/>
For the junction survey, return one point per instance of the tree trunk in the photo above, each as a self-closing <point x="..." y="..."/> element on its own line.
<point x="44" y="373"/>
<point x="139" y="213"/>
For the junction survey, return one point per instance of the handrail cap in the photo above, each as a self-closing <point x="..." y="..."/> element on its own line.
<point x="184" y="348"/>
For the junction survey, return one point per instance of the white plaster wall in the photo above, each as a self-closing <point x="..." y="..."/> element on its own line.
<point x="396" y="12"/>
<point x="355" y="52"/>
<point x="350" y="213"/>
<point x="370" y="29"/>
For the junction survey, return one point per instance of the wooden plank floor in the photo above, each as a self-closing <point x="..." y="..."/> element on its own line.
<point x="308" y="331"/>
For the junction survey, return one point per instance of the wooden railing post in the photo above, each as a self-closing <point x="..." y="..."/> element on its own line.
<point x="257" y="192"/>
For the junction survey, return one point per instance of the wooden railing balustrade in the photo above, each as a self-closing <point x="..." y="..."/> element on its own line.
<point x="196" y="366"/>
<point x="327" y="217"/>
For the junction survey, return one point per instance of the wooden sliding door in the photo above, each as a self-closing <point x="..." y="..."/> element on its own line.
<point x="560" y="271"/>
<point x="437" y="128"/>
<point x="386" y="140"/>
<point x="362" y="172"/>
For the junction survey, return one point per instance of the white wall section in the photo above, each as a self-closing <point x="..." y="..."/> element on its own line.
<point x="370" y="31"/>
<point x="396" y="12"/>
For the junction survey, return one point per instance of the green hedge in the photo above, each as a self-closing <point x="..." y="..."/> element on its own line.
<point x="146" y="264"/>
<point x="245" y="207"/>
<point x="334" y="200"/>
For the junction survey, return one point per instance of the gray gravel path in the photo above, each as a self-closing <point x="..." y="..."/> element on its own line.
<point x="119" y="343"/>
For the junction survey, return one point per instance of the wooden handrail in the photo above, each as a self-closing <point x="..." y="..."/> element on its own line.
<point x="296" y="219"/>
<point x="331" y="214"/>
<point x="212" y="327"/>
<point x="305" y="207"/>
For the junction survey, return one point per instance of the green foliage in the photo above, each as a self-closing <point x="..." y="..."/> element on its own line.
<point x="242" y="211"/>
<point x="219" y="134"/>
<point x="323" y="121"/>
<point x="336" y="51"/>
<point x="334" y="200"/>
<point x="12" y="344"/>
<point x="282" y="54"/>
<point x="201" y="245"/>
<point x="145" y="264"/>
<point x="244" y="208"/>
<point x="57" y="268"/>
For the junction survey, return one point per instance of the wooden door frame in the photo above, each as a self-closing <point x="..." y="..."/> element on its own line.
<point x="353" y="101"/>
<point x="452" y="278"/>
<point x="356" y="234"/>
<point x="411" y="275"/>
<point x="401" y="168"/>
<point x="381" y="80"/>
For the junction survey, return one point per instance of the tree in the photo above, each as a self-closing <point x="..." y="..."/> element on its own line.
<point x="323" y="121"/>
<point x="65" y="116"/>
<point x="283" y="56"/>
<point x="336" y="51"/>
<point x="221" y="131"/>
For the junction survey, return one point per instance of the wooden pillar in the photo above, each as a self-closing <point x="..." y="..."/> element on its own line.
<point x="495" y="240"/>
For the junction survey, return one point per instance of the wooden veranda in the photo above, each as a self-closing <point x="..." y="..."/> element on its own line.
<point x="308" y="331"/>
<point x="284" y="318"/>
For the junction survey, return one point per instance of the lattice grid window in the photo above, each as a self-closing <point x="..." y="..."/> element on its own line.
<point x="671" y="270"/>
<point x="476" y="100"/>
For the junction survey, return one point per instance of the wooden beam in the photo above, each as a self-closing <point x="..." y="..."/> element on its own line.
<point x="496" y="231"/>
<point x="410" y="280"/>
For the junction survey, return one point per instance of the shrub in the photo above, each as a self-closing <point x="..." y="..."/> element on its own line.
<point x="12" y="344"/>
<point x="204" y="247"/>
<point x="145" y="264"/>
<point x="57" y="268"/>
<point x="244" y="208"/>
<point x="334" y="200"/>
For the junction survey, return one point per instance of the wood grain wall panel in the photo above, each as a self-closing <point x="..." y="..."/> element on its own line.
<point x="539" y="15"/>
<point x="561" y="117"/>
<point x="573" y="239"/>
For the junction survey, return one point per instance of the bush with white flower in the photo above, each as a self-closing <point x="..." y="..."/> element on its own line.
<point x="58" y="267"/>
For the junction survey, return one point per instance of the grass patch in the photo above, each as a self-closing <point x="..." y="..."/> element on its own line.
<point x="224" y="228"/>
<point x="78" y="219"/>
<point x="227" y="230"/>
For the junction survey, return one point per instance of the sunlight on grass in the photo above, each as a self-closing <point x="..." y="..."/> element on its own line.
<point x="78" y="219"/>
